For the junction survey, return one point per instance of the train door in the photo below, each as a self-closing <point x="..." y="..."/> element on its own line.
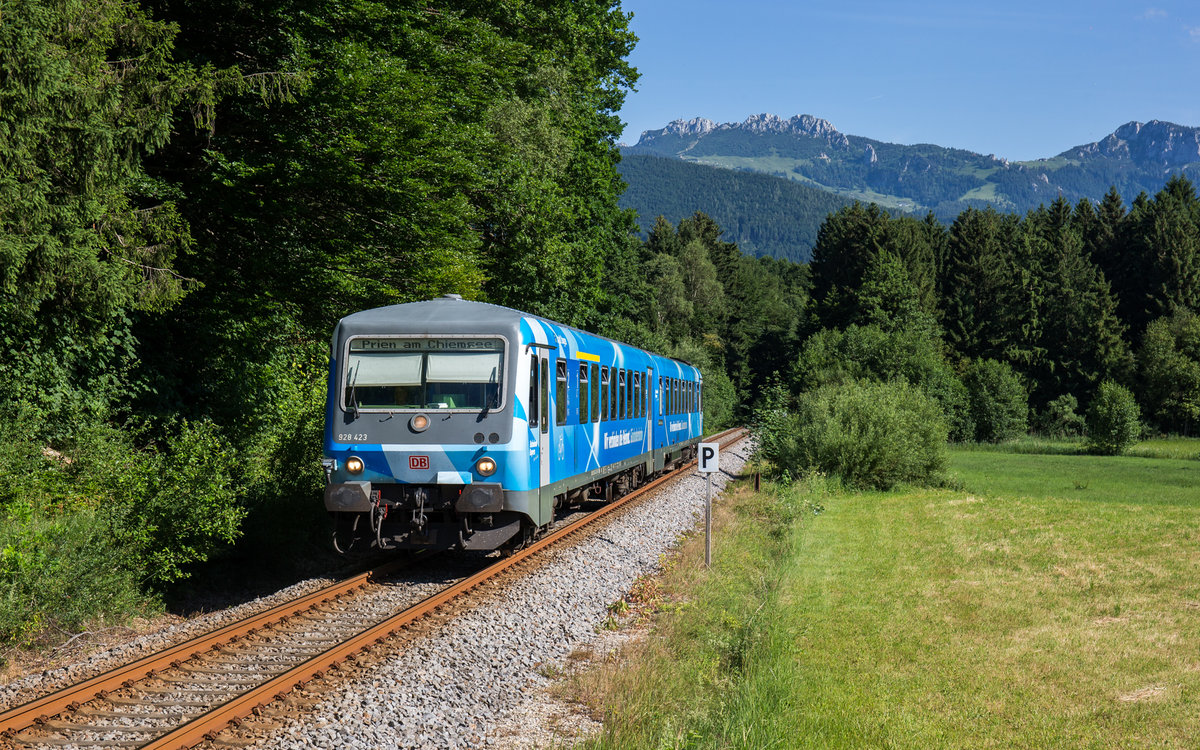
<point x="545" y="435"/>
<point x="648" y="409"/>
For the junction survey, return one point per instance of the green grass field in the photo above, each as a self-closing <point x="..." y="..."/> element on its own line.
<point x="1052" y="602"/>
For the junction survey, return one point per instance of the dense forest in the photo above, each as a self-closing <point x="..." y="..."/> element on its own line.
<point x="763" y="214"/>
<point x="192" y="194"/>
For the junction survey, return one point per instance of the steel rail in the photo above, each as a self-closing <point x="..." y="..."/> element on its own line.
<point x="35" y="711"/>
<point x="208" y="724"/>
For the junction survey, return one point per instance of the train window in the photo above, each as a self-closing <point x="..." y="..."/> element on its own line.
<point x="583" y="393"/>
<point x="560" y="392"/>
<point x="615" y="398"/>
<point x="646" y="380"/>
<point x="621" y="394"/>
<point x="595" y="392"/>
<point x="637" y="394"/>
<point x="631" y="394"/>
<point x="699" y="395"/>
<point x="661" y="396"/>
<point x="605" y="387"/>
<point x="416" y="373"/>
<point x="613" y="393"/>
<point x="533" y="391"/>
<point x="544" y="398"/>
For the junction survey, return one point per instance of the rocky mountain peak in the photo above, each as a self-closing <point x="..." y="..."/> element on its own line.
<point x="1163" y="143"/>
<point x="806" y="125"/>
<point x="693" y="127"/>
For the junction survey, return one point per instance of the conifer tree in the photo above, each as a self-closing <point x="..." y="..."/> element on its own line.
<point x="978" y="284"/>
<point x="1075" y="333"/>
<point x="1157" y="261"/>
<point x="87" y="239"/>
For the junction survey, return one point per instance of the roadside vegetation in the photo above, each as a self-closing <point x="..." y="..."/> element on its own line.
<point x="1049" y="602"/>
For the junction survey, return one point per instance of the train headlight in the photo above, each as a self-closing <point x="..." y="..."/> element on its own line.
<point x="418" y="423"/>
<point x="485" y="466"/>
<point x="355" y="465"/>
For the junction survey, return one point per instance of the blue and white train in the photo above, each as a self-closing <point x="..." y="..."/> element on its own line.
<point x="462" y="424"/>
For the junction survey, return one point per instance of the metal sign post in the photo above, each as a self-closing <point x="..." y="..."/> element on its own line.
<point x="710" y="462"/>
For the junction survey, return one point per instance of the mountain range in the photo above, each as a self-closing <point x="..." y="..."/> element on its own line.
<point x="1134" y="158"/>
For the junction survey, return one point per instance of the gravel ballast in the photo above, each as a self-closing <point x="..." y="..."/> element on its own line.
<point x="476" y="680"/>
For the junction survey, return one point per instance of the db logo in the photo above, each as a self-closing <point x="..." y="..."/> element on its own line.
<point x="418" y="462"/>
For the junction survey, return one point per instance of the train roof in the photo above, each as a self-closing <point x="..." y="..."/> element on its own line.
<point x="448" y="312"/>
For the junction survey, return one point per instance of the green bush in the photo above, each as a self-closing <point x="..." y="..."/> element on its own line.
<point x="998" y="399"/>
<point x="1113" y="420"/>
<point x="773" y="425"/>
<point x="872" y="435"/>
<point x="61" y="568"/>
<point x="1170" y="371"/>
<point x="870" y="352"/>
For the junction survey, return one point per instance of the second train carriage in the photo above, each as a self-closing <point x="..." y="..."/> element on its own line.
<point x="455" y="423"/>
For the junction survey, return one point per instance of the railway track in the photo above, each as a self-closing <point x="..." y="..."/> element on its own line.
<point x="189" y="693"/>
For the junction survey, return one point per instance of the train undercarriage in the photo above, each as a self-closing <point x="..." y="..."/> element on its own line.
<point x="412" y="517"/>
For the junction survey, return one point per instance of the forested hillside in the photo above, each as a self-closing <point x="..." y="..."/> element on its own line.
<point x="1134" y="158"/>
<point x="764" y="215"/>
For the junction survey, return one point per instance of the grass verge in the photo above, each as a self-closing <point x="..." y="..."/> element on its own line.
<point x="1021" y="613"/>
<point x="1159" y="447"/>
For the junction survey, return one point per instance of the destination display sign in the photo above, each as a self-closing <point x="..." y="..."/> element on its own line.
<point x="425" y="345"/>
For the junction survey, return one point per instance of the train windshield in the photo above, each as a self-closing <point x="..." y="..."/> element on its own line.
<point x="424" y="373"/>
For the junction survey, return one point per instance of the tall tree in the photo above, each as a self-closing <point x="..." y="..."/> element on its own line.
<point x="87" y="239"/>
<point x="848" y="246"/>
<point x="977" y="284"/>
<point x="1072" y="339"/>
<point x="1164" y="252"/>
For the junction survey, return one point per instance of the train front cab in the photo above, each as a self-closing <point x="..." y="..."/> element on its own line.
<point x="421" y="449"/>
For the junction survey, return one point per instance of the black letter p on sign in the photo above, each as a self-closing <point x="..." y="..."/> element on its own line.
<point x="710" y="458"/>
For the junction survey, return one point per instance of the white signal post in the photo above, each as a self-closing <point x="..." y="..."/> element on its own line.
<point x="710" y="463"/>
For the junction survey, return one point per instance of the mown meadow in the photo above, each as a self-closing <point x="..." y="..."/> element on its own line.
<point x="1040" y="600"/>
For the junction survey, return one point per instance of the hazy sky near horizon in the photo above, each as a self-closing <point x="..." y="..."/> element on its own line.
<point x="1020" y="79"/>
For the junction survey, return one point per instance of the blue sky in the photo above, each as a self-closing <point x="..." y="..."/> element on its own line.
<point x="1018" y="79"/>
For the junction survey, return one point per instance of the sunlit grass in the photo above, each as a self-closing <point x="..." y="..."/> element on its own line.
<point x="1159" y="447"/>
<point x="1022" y="611"/>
